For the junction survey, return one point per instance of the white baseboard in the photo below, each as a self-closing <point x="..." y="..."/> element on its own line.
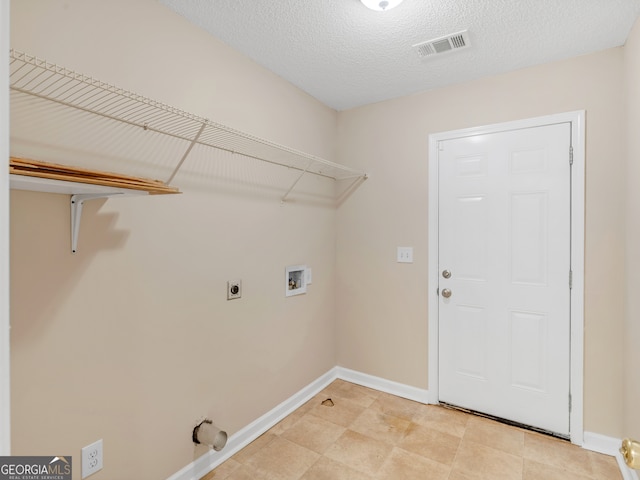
<point x="627" y="473"/>
<point x="207" y="462"/>
<point x="601" y="443"/>
<point x="609" y="446"/>
<point x="383" y="385"/>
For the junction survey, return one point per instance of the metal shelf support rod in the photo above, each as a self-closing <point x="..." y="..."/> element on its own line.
<point x="186" y="154"/>
<point x="297" y="180"/>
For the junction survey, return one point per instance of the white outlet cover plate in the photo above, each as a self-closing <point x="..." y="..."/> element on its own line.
<point x="92" y="458"/>
<point x="230" y="285"/>
<point x="405" y="254"/>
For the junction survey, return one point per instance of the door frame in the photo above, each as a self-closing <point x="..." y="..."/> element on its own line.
<point x="577" y="121"/>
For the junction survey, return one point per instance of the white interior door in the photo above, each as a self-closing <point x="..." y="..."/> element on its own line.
<point x="504" y="259"/>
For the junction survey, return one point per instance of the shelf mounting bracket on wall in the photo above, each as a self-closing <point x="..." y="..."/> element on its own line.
<point x="77" y="201"/>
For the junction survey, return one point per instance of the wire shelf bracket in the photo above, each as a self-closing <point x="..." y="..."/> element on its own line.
<point x="77" y="202"/>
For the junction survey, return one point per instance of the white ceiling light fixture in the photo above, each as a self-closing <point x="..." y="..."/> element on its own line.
<point x="381" y="5"/>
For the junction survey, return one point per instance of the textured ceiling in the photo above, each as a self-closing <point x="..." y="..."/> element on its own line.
<point x="346" y="55"/>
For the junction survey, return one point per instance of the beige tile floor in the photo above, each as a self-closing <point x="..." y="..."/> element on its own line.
<point x="368" y="435"/>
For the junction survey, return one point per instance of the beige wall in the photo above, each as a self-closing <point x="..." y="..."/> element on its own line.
<point x="132" y="339"/>
<point x="382" y="305"/>
<point x="632" y="359"/>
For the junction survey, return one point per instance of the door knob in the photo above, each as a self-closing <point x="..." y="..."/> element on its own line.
<point x="446" y="293"/>
<point x="446" y="274"/>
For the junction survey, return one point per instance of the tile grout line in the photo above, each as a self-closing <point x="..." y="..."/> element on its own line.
<point x="455" y="457"/>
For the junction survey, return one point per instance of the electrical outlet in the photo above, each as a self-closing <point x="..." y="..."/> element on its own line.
<point x="405" y="254"/>
<point x="234" y="289"/>
<point x="91" y="458"/>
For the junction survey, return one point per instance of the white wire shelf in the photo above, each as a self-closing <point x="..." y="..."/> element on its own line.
<point x="37" y="78"/>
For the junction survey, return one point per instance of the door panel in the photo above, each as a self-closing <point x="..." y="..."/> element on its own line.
<point x="528" y="350"/>
<point x="528" y="238"/>
<point x="470" y="237"/>
<point x="504" y="234"/>
<point x="471" y="348"/>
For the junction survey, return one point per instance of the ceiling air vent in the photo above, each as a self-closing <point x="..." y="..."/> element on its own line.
<point x="455" y="41"/>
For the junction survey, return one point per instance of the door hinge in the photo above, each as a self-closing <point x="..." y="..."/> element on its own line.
<point x="571" y="155"/>
<point x="570" y="403"/>
<point x="570" y="279"/>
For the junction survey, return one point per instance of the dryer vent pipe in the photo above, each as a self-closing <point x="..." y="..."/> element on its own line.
<point x="207" y="433"/>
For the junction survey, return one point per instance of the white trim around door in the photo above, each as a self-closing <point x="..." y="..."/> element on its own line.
<point x="576" y="119"/>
